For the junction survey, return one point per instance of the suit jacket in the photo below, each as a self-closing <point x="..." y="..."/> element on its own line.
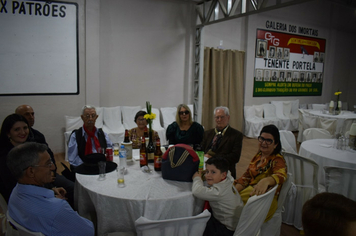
<point x="229" y="147"/>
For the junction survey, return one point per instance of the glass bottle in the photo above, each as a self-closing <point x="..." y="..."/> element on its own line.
<point x="145" y="133"/>
<point x="158" y="156"/>
<point x="127" y="139"/>
<point x="150" y="149"/>
<point x="143" y="153"/>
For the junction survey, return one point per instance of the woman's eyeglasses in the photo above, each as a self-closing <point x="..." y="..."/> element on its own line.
<point x="266" y="140"/>
<point x="184" y="113"/>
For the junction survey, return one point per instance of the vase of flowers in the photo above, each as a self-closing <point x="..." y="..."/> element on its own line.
<point x="149" y="117"/>
<point x="338" y="103"/>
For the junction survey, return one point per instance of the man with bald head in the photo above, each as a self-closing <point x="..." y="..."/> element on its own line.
<point x="36" y="136"/>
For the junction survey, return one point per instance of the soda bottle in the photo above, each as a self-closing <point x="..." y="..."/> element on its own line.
<point x="143" y="153"/>
<point x="122" y="156"/>
<point x="158" y="156"/>
<point x="127" y="139"/>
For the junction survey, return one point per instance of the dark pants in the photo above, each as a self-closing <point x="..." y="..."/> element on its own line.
<point x="215" y="228"/>
<point x="68" y="185"/>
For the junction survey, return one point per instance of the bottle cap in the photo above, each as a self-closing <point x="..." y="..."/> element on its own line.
<point x="122" y="146"/>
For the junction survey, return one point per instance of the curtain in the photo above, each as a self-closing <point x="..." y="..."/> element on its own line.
<point x="223" y="85"/>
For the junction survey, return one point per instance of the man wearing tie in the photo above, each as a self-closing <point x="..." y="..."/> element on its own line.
<point x="223" y="140"/>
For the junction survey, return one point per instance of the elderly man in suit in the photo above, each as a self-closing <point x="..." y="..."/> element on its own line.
<point x="223" y="139"/>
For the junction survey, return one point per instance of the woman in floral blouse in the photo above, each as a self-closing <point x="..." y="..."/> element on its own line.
<point x="135" y="134"/>
<point x="267" y="168"/>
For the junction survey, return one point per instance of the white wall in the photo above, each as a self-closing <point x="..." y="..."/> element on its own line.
<point x="146" y="52"/>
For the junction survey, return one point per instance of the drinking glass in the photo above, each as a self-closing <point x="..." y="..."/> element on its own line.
<point x="102" y="167"/>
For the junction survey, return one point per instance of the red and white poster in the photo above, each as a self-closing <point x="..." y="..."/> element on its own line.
<point x="288" y="64"/>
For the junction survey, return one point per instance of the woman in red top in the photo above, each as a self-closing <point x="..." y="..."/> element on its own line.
<point x="266" y="169"/>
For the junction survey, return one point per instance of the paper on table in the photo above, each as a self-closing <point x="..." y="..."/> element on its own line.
<point x="136" y="154"/>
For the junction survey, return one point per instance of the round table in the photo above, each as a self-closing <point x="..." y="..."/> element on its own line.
<point x="322" y="151"/>
<point x="115" y="209"/>
<point x="344" y="119"/>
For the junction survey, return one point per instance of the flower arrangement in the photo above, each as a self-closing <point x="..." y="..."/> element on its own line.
<point x="149" y="116"/>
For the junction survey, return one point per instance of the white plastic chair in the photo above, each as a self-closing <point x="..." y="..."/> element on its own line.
<point x="327" y="124"/>
<point x="269" y="111"/>
<point x="316" y="133"/>
<point x="273" y="226"/>
<point x="22" y="230"/>
<point x="318" y="107"/>
<point x="7" y="229"/>
<point x="168" y="115"/>
<point x="254" y="121"/>
<point x="71" y="123"/>
<point x="304" y="186"/>
<point x="189" y="226"/>
<point x="254" y="213"/>
<point x="340" y="180"/>
<point x="128" y="116"/>
<point x="305" y="121"/>
<point x="284" y="113"/>
<point x="113" y="124"/>
<point x="288" y="141"/>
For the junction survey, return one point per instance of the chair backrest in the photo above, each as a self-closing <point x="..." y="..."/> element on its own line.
<point x="254" y="213"/>
<point x="128" y="116"/>
<point x="316" y="133"/>
<point x="168" y="115"/>
<point x="304" y="171"/>
<point x="269" y="111"/>
<point x="112" y="119"/>
<point x="189" y="226"/>
<point x="73" y="122"/>
<point x="22" y="230"/>
<point x="327" y="124"/>
<point x="273" y="226"/>
<point x="305" y="179"/>
<point x="288" y="141"/>
<point x="340" y="180"/>
<point x="318" y="107"/>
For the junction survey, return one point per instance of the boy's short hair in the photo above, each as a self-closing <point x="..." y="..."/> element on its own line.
<point x="219" y="162"/>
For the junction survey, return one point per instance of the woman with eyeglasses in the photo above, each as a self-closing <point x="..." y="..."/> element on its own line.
<point x="14" y="131"/>
<point x="266" y="169"/>
<point x="184" y="129"/>
<point x="135" y="134"/>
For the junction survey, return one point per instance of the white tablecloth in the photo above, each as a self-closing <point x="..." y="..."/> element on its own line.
<point x="323" y="153"/>
<point x="344" y="120"/>
<point x="115" y="209"/>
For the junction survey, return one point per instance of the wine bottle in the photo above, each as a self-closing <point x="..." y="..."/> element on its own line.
<point x="150" y="149"/>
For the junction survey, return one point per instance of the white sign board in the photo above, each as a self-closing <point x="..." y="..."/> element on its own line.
<point x="38" y="48"/>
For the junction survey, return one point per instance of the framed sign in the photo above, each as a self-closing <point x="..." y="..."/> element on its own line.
<point x="39" y="48"/>
<point x="288" y="64"/>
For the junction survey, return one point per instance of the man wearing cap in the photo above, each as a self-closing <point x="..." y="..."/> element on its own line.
<point x="35" y="207"/>
<point x="87" y="139"/>
<point x="223" y="140"/>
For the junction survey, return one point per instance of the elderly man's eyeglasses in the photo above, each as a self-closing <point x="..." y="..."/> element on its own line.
<point x="219" y="117"/>
<point x="266" y="140"/>
<point x="90" y="116"/>
<point x="184" y="113"/>
<point x="49" y="165"/>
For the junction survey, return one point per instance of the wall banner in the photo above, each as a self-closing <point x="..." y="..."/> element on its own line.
<point x="288" y="64"/>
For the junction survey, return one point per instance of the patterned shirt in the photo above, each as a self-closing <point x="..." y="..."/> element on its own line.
<point x="274" y="166"/>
